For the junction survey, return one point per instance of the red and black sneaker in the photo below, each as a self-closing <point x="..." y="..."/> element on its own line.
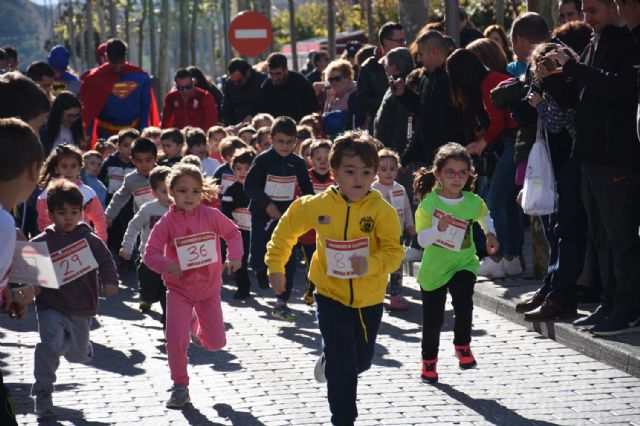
<point x="465" y="356"/>
<point x="429" y="373"/>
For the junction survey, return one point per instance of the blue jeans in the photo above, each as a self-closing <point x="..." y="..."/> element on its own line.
<point x="501" y="200"/>
<point x="260" y="236"/>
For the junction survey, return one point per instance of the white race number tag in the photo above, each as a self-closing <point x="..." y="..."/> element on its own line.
<point x="397" y="199"/>
<point x="116" y="177"/>
<point x="227" y="181"/>
<point x="280" y="188"/>
<point x="196" y="250"/>
<point x="242" y="218"/>
<point x="454" y="235"/>
<point x="73" y="261"/>
<point x="338" y="254"/>
<point x="320" y="187"/>
<point x="142" y="196"/>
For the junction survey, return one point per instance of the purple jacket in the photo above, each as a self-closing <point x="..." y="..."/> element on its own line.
<point x="80" y="296"/>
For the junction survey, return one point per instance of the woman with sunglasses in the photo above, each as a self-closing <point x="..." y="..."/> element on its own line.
<point x="63" y="125"/>
<point x="341" y="109"/>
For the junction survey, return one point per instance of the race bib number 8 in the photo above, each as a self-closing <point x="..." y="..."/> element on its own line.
<point x="452" y="238"/>
<point x="338" y="254"/>
<point x="196" y="251"/>
<point x="280" y="188"/>
<point x="73" y="261"/>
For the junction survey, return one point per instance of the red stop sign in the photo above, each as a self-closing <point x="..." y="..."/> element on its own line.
<point x="250" y="33"/>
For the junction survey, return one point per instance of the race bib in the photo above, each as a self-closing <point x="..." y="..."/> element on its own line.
<point x="142" y="195"/>
<point x="242" y="218"/>
<point x="73" y="261"/>
<point x="452" y="238"/>
<point x="227" y="181"/>
<point x="320" y="187"/>
<point x="116" y="177"/>
<point x="397" y="199"/>
<point x="338" y="254"/>
<point x="196" y="251"/>
<point x="280" y="188"/>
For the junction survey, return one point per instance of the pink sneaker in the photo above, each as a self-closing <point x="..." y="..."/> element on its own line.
<point x="398" y="304"/>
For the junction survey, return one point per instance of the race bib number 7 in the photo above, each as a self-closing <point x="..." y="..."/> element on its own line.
<point x="73" y="261"/>
<point x="452" y="238"/>
<point x="196" y="251"/>
<point x="339" y="253"/>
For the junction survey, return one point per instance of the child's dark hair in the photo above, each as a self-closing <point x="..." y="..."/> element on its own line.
<point x="216" y="130"/>
<point x="127" y="134"/>
<point x="243" y="156"/>
<point x="158" y="175"/>
<point x="21" y="97"/>
<point x="389" y="153"/>
<point x="144" y="145"/>
<point x="89" y="154"/>
<point x="180" y="170"/>
<point x="352" y="144"/>
<point x="194" y="136"/>
<point x="103" y="145"/>
<point x="230" y="144"/>
<point x="425" y="179"/>
<point x="173" y="135"/>
<point x="60" y="192"/>
<point x="191" y="159"/>
<point x="21" y="148"/>
<point x="304" y="132"/>
<point x="285" y="125"/>
<point x="318" y="144"/>
<point x="249" y="128"/>
<point x="49" y="169"/>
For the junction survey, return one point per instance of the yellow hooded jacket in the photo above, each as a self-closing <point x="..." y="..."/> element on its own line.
<point x="334" y="218"/>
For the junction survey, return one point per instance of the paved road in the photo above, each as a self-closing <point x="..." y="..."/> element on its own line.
<point x="265" y="375"/>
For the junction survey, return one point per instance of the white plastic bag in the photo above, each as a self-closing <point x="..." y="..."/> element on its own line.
<point x="539" y="195"/>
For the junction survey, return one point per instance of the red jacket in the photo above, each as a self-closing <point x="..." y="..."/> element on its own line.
<point x="499" y="119"/>
<point x="200" y="110"/>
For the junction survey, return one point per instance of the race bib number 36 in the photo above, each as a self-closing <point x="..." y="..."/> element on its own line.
<point x="338" y="255"/>
<point x="454" y="235"/>
<point x="73" y="261"/>
<point x="196" y="251"/>
<point x="280" y="188"/>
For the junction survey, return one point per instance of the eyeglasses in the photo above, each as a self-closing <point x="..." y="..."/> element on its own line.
<point x="185" y="87"/>
<point x="450" y="174"/>
<point x="334" y="79"/>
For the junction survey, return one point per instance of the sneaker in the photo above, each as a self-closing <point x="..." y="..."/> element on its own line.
<point x="398" y="303"/>
<point x="308" y="299"/>
<point x="194" y="339"/>
<point x="593" y="319"/>
<point x="43" y="405"/>
<point x="241" y="295"/>
<point x="318" y="371"/>
<point x="263" y="279"/>
<point x="413" y="255"/>
<point x="512" y="267"/>
<point x="429" y="373"/>
<point x="283" y="312"/>
<point x="465" y="357"/>
<point x="144" y="306"/>
<point x="614" y="325"/>
<point x="179" y="397"/>
<point x="490" y="268"/>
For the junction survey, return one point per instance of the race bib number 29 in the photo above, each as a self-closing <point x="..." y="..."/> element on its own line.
<point x="196" y="251"/>
<point x="73" y="261"/>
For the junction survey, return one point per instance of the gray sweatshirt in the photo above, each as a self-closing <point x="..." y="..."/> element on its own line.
<point x="396" y="195"/>
<point x="142" y="223"/>
<point x="135" y="185"/>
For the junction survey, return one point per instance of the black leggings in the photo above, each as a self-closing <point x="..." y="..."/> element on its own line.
<point x="433" y="303"/>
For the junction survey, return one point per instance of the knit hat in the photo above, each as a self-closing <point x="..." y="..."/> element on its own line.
<point x="58" y="58"/>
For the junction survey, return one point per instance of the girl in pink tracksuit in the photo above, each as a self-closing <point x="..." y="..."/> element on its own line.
<point x="184" y="247"/>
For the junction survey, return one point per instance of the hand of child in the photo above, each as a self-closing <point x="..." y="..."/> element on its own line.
<point x="17" y="301"/>
<point x="126" y="256"/>
<point x="174" y="270"/>
<point x="444" y="222"/>
<point x="278" y="283"/>
<point x="110" y="290"/>
<point x="273" y="211"/>
<point x="359" y="265"/>
<point x="492" y="244"/>
<point x="412" y="230"/>
<point x="233" y="265"/>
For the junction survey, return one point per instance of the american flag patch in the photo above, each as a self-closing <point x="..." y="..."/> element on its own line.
<point x="324" y="220"/>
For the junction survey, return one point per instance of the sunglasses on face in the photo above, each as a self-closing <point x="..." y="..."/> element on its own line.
<point x="185" y="87"/>
<point x="334" y="79"/>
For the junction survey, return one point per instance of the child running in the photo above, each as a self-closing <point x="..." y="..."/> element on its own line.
<point x="66" y="161"/>
<point x="184" y="247"/>
<point x="444" y="221"/>
<point x="358" y="245"/>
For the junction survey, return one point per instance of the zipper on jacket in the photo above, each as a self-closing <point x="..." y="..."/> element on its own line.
<point x="346" y="225"/>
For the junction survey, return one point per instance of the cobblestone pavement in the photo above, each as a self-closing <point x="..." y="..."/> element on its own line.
<point x="265" y="374"/>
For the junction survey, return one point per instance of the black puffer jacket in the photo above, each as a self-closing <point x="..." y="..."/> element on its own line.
<point x="238" y="102"/>
<point x="372" y="85"/>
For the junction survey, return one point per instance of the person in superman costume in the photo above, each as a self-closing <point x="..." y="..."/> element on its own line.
<point x="116" y="95"/>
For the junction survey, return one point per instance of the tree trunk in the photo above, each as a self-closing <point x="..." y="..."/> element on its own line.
<point x="548" y="10"/>
<point x="413" y="15"/>
<point x="243" y="5"/>
<point x="113" y="19"/>
<point x="292" y="32"/>
<point x="127" y="32"/>
<point x="102" y="21"/>
<point x="500" y="8"/>
<point x="152" y="38"/>
<point x="163" y="66"/>
<point x="183" y="7"/>
<point x="143" y="17"/>
<point x="226" y="19"/>
<point x="453" y="24"/>
<point x="371" y="31"/>
<point x="194" y="26"/>
<point x="81" y="42"/>
<point x="91" y="41"/>
<point x="331" y="27"/>
<point x="72" y="36"/>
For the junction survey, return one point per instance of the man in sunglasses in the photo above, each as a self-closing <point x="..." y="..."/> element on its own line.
<point x="188" y="105"/>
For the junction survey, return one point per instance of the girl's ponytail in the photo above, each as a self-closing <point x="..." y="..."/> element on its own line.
<point x="423" y="182"/>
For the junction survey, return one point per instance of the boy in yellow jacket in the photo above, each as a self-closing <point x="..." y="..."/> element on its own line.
<point x="358" y="246"/>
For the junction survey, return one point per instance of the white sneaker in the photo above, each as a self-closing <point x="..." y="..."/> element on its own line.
<point x="318" y="371"/>
<point x="512" y="267"/>
<point x="490" y="268"/>
<point x="413" y="255"/>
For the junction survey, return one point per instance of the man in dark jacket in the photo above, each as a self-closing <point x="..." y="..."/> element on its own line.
<point x="607" y="146"/>
<point x="372" y="79"/>
<point x="286" y="92"/>
<point x="240" y="92"/>
<point x="320" y="61"/>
